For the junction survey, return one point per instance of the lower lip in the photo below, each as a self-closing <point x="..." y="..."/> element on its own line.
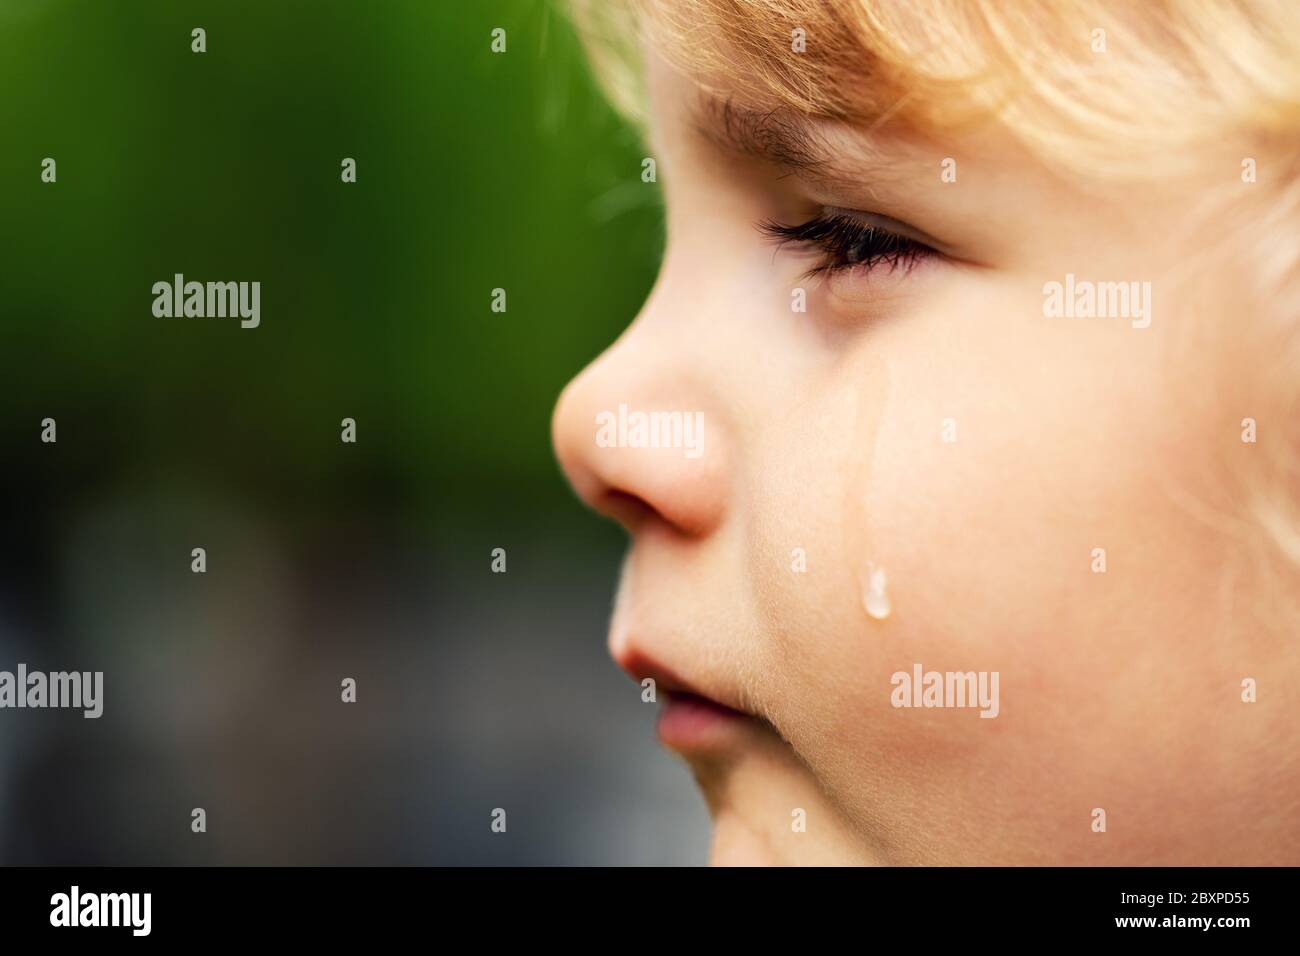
<point x="687" y="722"/>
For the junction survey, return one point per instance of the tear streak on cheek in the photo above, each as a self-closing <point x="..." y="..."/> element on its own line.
<point x="871" y="380"/>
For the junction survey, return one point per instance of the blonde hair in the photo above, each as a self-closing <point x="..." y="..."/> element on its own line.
<point x="1121" y="90"/>
<point x="1061" y="74"/>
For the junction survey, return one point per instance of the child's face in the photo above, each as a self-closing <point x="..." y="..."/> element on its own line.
<point x="932" y="423"/>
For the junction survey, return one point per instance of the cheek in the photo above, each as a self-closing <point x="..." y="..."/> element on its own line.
<point x="980" y="476"/>
<point x="823" y="663"/>
<point x="1003" y="469"/>
<point x="808" y="559"/>
<point x="1009" y="470"/>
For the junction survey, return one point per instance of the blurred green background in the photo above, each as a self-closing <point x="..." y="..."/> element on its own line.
<point x="475" y="171"/>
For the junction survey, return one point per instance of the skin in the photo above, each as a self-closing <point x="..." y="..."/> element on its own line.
<point x="824" y="431"/>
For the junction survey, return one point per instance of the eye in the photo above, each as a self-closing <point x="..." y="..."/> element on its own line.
<point x="845" y="240"/>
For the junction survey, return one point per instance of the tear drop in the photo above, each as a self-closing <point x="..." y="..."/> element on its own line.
<point x="874" y="600"/>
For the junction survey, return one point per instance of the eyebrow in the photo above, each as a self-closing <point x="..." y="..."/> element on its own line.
<point x="777" y="136"/>
<point x="789" y="139"/>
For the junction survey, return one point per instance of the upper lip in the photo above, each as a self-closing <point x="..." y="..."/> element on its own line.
<point x="641" y="666"/>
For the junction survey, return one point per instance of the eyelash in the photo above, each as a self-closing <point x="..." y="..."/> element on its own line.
<point x="846" y="243"/>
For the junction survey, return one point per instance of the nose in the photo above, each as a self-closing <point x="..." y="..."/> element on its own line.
<point x="641" y="435"/>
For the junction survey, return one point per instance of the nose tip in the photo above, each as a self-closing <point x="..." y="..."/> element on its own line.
<point x="636" y="446"/>
<point x="566" y="438"/>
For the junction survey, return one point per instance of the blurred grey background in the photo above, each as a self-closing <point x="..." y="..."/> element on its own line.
<point x="325" y="560"/>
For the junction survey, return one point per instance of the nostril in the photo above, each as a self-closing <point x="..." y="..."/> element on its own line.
<point x="628" y="510"/>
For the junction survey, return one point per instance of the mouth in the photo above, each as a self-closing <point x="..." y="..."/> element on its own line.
<point x="690" y="722"/>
